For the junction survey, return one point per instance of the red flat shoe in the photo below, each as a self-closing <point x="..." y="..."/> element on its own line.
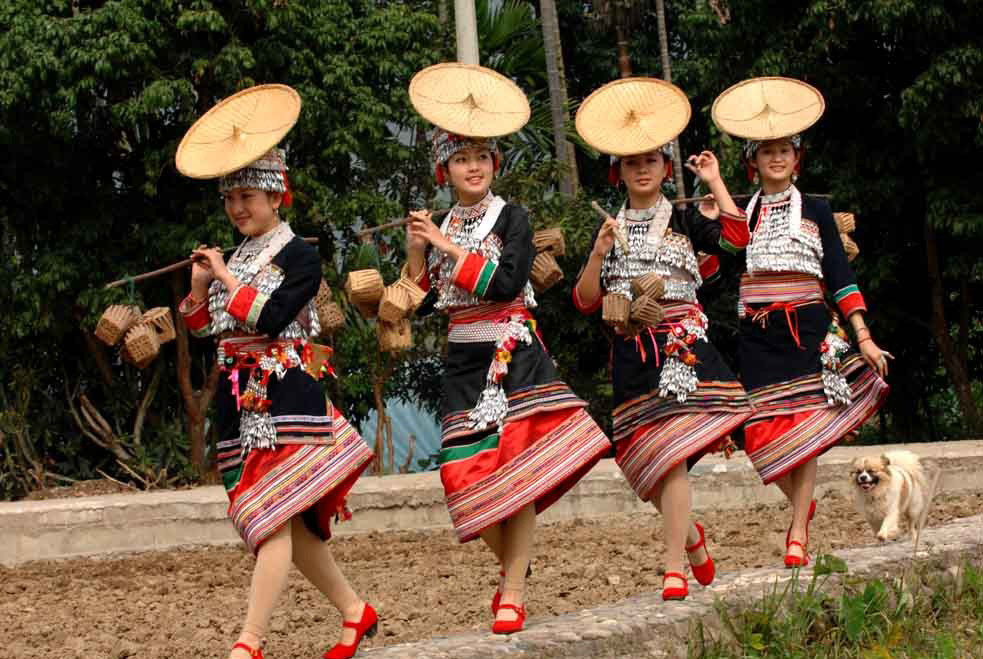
<point x="704" y="572"/>
<point x="367" y="627"/>
<point x="678" y="593"/>
<point x="254" y="653"/>
<point x="510" y="626"/>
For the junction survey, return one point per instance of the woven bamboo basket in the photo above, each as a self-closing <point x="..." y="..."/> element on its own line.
<point x="845" y="222"/>
<point x="162" y="322"/>
<point x="651" y="285"/>
<point x="115" y="321"/>
<point x="545" y="272"/>
<point x="415" y="293"/>
<point x="395" y="304"/>
<point x="395" y="337"/>
<point x="615" y="309"/>
<point x="364" y="287"/>
<point x="549" y="240"/>
<point x="850" y="247"/>
<point x="329" y="314"/>
<point x="646" y="311"/>
<point x="141" y="345"/>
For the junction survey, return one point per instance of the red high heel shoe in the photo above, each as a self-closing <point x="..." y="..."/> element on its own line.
<point x="254" y="653"/>
<point x="497" y="597"/>
<point x="678" y="593"/>
<point x="367" y="627"/>
<point x="799" y="561"/>
<point x="704" y="572"/>
<point x="510" y="626"/>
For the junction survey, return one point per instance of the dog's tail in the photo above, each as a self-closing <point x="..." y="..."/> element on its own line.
<point x="909" y="462"/>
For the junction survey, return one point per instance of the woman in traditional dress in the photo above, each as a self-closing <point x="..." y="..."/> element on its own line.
<point x="675" y="398"/>
<point x="288" y="458"/>
<point x="514" y="437"/>
<point x="807" y="386"/>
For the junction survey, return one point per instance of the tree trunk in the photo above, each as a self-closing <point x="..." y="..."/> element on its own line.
<point x="677" y="161"/>
<point x="466" y="26"/>
<point x="624" y="60"/>
<point x="196" y="403"/>
<point x="558" y="97"/>
<point x="955" y="368"/>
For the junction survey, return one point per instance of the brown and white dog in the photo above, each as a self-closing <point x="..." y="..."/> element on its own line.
<point x="889" y="488"/>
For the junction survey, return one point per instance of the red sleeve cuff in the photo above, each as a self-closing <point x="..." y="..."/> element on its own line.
<point x="245" y="304"/>
<point x="734" y="234"/>
<point x="195" y="314"/>
<point x="473" y="273"/>
<point x="850" y="303"/>
<point x="585" y="308"/>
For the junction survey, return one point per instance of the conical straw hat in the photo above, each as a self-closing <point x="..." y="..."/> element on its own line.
<point x="768" y="108"/>
<point x="633" y="115"/>
<point x="469" y="100"/>
<point x="237" y="131"/>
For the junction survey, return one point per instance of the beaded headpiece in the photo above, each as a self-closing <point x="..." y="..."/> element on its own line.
<point x="751" y="146"/>
<point x="268" y="173"/>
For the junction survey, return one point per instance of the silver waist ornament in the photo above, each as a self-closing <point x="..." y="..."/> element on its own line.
<point x="653" y="247"/>
<point x="678" y="377"/>
<point x="493" y="404"/>
<point x="256" y="428"/>
<point x="831" y="350"/>
<point x="783" y="241"/>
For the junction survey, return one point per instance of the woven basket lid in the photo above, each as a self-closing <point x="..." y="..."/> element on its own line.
<point x="237" y="131"/>
<point x="469" y="100"/>
<point x="768" y="108"/>
<point x="633" y="115"/>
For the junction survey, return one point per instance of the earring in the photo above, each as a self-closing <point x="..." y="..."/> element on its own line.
<point x="795" y="177"/>
<point x="756" y="179"/>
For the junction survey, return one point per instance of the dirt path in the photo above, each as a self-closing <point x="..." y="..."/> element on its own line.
<point x="188" y="604"/>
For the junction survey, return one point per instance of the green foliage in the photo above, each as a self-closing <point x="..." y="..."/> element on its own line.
<point x="93" y="101"/>
<point x="923" y="614"/>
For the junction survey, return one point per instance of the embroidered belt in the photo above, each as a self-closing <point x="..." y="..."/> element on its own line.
<point x="763" y="293"/>
<point x="261" y="357"/>
<point x="506" y="325"/>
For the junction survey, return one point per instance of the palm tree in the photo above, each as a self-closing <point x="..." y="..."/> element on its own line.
<point x="623" y="15"/>
<point x="557" y="83"/>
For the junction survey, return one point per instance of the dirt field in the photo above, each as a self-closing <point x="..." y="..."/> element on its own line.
<point x="188" y="604"/>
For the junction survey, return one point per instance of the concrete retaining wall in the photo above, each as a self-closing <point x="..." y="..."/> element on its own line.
<point x="62" y="528"/>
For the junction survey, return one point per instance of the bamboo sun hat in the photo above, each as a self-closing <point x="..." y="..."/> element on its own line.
<point x="237" y="131"/>
<point x="767" y="108"/>
<point x="633" y="115"/>
<point x="470" y="100"/>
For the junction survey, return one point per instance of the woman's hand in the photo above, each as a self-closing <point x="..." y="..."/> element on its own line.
<point x="202" y="273"/>
<point x="705" y="166"/>
<point x="605" y="238"/>
<point x="874" y="356"/>
<point x="709" y="208"/>
<point x="417" y="240"/>
<point x="422" y="231"/>
<point x="209" y="258"/>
